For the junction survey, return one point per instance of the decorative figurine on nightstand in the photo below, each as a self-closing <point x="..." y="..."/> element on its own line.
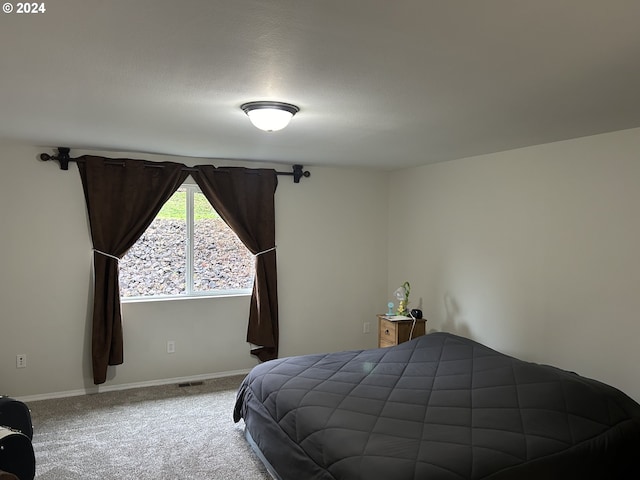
<point x="402" y="294"/>
<point x="390" y="311"/>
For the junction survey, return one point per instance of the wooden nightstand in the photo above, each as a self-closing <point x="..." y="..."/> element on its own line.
<point x="392" y="333"/>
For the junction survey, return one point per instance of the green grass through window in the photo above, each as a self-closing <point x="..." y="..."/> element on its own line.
<point x="175" y="208"/>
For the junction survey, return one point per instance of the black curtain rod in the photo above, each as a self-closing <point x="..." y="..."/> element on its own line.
<point x="63" y="159"/>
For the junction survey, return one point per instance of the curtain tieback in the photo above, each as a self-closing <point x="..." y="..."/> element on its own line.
<point x="265" y="251"/>
<point x="106" y="254"/>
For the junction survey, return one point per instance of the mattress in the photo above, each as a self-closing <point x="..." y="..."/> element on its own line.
<point x="438" y="407"/>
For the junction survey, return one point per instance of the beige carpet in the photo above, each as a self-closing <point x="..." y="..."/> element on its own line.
<point x="166" y="432"/>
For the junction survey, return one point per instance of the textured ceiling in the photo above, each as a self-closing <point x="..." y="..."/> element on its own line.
<point x="380" y="83"/>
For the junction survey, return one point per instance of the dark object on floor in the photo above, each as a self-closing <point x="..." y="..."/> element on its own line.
<point x="441" y="407"/>
<point x="15" y="415"/>
<point x="16" y="454"/>
<point x="7" y="476"/>
<point x="16" y="432"/>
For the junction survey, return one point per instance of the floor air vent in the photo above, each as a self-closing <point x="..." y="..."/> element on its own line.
<point x="189" y="384"/>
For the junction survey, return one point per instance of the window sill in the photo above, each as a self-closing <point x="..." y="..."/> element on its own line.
<point x="170" y="298"/>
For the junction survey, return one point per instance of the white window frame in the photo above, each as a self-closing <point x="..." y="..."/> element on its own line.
<point x="191" y="190"/>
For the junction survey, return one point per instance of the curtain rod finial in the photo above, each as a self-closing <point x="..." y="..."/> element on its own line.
<point x="298" y="173"/>
<point x="62" y="157"/>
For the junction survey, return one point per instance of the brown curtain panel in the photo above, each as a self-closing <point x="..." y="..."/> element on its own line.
<point x="244" y="198"/>
<point x="123" y="197"/>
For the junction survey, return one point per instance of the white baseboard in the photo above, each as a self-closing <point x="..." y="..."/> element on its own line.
<point x="126" y="386"/>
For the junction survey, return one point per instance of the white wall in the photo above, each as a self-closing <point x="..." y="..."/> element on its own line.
<point x="329" y="242"/>
<point x="534" y="252"/>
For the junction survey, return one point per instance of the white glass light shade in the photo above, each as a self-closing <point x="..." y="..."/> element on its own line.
<point x="270" y="116"/>
<point x="270" y="119"/>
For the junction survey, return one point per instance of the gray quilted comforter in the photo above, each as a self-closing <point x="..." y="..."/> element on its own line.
<point x="437" y="407"/>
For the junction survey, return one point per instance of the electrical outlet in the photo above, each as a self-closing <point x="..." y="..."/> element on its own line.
<point x="171" y="346"/>
<point x="366" y="327"/>
<point x="21" y="360"/>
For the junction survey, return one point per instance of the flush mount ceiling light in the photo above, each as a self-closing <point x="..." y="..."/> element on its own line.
<point x="270" y="116"/>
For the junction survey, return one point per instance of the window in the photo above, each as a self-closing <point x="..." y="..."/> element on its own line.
<point x="188" y="250"/>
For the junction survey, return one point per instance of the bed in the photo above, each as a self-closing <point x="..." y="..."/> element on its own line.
<point x="438" y="407"/>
